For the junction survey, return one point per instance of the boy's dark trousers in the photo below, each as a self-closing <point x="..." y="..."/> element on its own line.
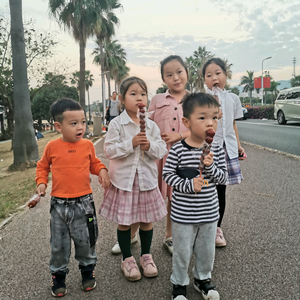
<point x="72" y="218"/>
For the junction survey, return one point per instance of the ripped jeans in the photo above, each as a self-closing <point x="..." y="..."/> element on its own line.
<point x="75" y="219"/>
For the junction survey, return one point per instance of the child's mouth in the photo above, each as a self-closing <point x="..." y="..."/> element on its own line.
<point x="216" y="84"/>
<point x="78" y="135"/>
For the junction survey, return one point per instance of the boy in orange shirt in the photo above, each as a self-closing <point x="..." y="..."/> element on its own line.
<point x="71" y="159"/>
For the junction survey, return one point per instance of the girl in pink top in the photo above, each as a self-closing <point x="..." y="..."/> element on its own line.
<point x="167" y="114"/>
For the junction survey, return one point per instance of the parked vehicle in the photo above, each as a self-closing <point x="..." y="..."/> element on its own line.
<point x="287" y="105"/>
<point x="245" y="112"/>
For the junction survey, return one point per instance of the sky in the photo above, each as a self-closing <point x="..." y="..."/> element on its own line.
<point x="244" y="32"/>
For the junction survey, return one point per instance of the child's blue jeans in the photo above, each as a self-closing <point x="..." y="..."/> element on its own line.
<point x="73" y="218"/>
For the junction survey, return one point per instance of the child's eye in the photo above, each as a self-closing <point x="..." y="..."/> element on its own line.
<point x="218" y="73"/>
<point x="73" y="123"/>
<point x="83" y="122"/>
<point x="179" y="72"/>
<point x="215" y="118"/>
<point x="169" y="75"/>
<point x="132" y="94"/>
<point x="202" y="118"/>
<point x="207" y="75"/>
<point x="144" y="94"/>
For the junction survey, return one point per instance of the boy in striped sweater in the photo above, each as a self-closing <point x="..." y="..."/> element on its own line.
<point x="195" y="206"/>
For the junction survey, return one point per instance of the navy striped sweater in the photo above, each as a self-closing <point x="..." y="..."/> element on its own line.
<point x="181" y="167"/>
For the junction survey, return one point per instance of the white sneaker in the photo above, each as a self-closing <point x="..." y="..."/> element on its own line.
<point x="116" y="248"/>
<point x="168" y="244"/>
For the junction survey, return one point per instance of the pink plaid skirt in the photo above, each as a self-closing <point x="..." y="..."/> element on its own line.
<point x="126" y="208"/>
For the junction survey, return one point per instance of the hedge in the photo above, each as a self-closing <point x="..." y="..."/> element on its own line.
<point x="261" y="112"/>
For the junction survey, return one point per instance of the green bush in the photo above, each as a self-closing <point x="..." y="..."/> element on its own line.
<point x="261" y="112"/>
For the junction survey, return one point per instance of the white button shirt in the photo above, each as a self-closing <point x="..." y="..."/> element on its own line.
<point x="232" y="110"/>
<point x="125" y="160"/>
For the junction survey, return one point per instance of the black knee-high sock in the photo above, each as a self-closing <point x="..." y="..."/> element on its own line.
<point x="146" y="240"/>
<point x="124" y="239"/>
<point x="221" y="189"/>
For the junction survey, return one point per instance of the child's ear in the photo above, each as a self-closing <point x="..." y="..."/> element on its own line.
<point x="186" y="122"/>
<point x="57" y="126"/>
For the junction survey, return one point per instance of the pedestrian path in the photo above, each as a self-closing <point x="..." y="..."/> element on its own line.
<point x="261" y="260"/>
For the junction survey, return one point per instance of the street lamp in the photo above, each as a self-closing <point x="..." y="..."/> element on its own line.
<point x="262" y="79"/>
<point x="103" y="96"/>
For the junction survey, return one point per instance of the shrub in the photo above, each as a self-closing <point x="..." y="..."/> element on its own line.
<point x="261" y="112"/>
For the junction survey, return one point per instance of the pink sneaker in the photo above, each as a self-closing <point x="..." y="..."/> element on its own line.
<point x="130" y="269"/>
<point x="220" y="240"/>
<point x="149" y="267"/>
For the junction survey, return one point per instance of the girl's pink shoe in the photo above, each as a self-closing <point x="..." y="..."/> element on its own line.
<point x="130" y="269"/>
<point x="220" y="240"/>
<point x="149" y="267"/>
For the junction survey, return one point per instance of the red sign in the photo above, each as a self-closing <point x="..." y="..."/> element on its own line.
<point x="257" y="83"/>
<point x="267" y="82"/>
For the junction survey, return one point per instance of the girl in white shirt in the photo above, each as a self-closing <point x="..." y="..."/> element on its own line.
<point x="215" y="75"/>
<point x="134" y="196"/>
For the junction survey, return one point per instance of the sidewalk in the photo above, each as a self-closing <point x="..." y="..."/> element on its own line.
<point x="261" y="261"/>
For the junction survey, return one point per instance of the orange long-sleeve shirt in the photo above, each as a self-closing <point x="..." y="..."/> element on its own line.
<point x="71" y="165"/>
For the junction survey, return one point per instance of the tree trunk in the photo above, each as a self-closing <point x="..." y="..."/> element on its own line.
<point x="108" y="84"/>
<point x="250" y="95"/>
<point x="25" y="148"/>
<point x="82" y="80"/>
<point x="89" y="105"/>
<point x="102" y="77"/>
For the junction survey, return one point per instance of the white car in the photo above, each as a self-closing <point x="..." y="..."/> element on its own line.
<point x="287" y="105"/>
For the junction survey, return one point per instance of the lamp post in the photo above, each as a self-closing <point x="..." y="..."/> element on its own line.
<point x="103" y="96"/>
<point x="262" y="79"/>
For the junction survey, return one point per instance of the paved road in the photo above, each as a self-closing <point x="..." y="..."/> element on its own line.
<point x="261" y="261"/>
<point x="269" y="133"/>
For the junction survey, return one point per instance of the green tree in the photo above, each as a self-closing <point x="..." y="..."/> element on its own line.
<point x="49" y="93"/>
<point x="162" y="89"/>
<point x="25" y="148"/>
<point x="190" y="64"/>
<point x="235" y="90"/>
<point x="295" y="81"/>
<point x="248" y="82"/>
<point x="273" y="90"/>
<point x="122" y="74"/>
<point x="114" y="57"/>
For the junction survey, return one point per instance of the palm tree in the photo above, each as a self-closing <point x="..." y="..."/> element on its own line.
<point x="78" y="17"/>
<point x="25" y="148"/>
<point x="122" y="74"/>
<point x="248" y="82"/>
<point x="114" y="56"/>
<point x="273" y="89"/>
<point x="295" y="81"/>
<point x="89" y="79"/>
<point x="200" y="57"/>
<point x="190" y="64"/>
<point x="235" y="90"/>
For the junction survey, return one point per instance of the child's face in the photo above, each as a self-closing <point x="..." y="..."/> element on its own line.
<point x="215" y="76"/>
<point x="72" y="127"/>
<point x="134" y="95"/>
<point x="175" y="76"/>
<point x="202" y="119"/>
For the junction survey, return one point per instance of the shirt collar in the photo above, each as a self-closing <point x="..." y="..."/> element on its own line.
<point x="125" y="119"/>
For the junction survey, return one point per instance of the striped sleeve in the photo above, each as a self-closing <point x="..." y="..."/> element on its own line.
<point x="170" y="176"/>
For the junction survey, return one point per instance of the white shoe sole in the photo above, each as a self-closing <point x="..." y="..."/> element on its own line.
<point x="212" y="294"/>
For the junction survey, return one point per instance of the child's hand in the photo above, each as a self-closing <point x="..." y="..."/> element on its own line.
<point x="241" y="151"/>
<point x="139" y="139"/>
<point x="198" y="182"/>
<point x="41" y="189"/>
<point x="104" y="178"/>
<point x="145" y="146"/>
<point x="208" y="159"/>
<point x="171" y="137"/>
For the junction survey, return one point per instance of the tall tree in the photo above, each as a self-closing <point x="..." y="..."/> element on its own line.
<point x="248" y="82"/>
<point x="192" y="68"/>
<point x="114" y="57"/>
<point x="25" y="148"/>
<point x="122" y="74"/>
<point x="273" y="89"/>
<point x="79" y="17"/>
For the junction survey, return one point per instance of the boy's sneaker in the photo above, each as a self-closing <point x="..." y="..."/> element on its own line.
<point x="207" y="289"/>
<point x="179" y="292"/>
<point x="58" y="284"/>
<point x="168" y="244"/>
<point x="220" y="240"/>
<point x="116" y="248"/>
<point x="88" y="278"/>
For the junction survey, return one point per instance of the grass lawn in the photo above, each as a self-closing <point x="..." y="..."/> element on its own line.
<point x="16" y="188"/>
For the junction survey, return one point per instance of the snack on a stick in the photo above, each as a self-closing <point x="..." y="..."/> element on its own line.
<point x="34" y="200"/>
<point x="210" y="133"/>
<point x="142" y="116"/>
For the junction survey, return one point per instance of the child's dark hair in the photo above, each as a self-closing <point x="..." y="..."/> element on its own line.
<point x="60" y="106"/>
<point x="215" y="60"/>
<point x="168" y="59"/>
<point x="126" y="83"/>
<point x="191" y="101"/>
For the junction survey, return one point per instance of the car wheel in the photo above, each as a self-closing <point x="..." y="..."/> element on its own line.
<point x="280" y="118"/>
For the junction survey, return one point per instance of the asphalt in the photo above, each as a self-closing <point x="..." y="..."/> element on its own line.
<point x="261" y="260"/>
